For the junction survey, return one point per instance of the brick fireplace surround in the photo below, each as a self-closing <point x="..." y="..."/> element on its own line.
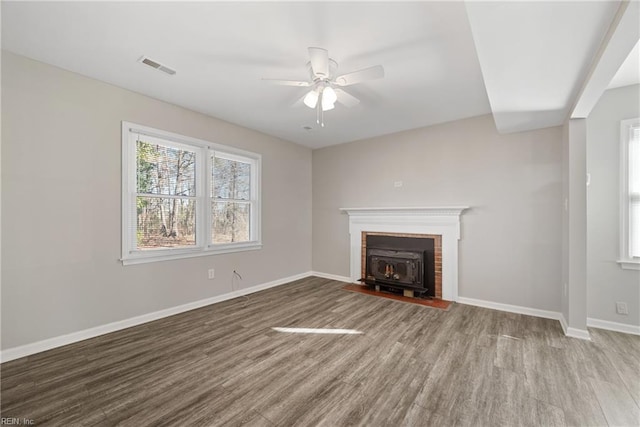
<point x="439" y="223"/>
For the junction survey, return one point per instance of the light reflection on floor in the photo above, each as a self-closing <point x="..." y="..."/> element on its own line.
<point x="318" y="331"/>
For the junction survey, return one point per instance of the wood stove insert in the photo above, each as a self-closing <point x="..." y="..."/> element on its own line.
<point x="401" y="263"/>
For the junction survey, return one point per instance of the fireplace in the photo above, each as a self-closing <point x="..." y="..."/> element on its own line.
<point x="401" y="262"/>
<point x="440" y="221"/>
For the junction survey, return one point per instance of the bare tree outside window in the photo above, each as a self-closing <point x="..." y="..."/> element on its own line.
<point x="231" y="208"/>
<point x="185" y="197"/>
<point x="165" y="202"/>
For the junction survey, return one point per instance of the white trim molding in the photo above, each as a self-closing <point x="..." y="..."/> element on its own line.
<point x="546" y="314"/>
<point x="628" y="196"/>
<point x="629" y="265"/>
<point x="582" y="334"/>
<point x="51" y="343"/>
<point x="437" y="220"/>
<point x="332" y="277"/>
<point x="613" y="326"/>
<point x="443" y="211"/>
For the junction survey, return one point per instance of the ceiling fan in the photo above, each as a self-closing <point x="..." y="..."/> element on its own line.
<point x="326" y="86"/>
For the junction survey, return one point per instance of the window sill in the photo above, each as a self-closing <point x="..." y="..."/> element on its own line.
<point x="160" y="255"/>
<point x="629" y="264"/>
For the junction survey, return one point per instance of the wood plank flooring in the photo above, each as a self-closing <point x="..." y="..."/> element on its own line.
<point x="401" y="365"/>
<point x="426" y="301"/>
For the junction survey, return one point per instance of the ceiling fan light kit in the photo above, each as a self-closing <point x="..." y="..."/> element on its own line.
<point x="325" y="86"/>
<point x="329" y="98"/>
<point x="311" y="99"/>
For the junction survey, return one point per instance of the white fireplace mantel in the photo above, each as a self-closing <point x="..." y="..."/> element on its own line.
<point x="438" y="220"/>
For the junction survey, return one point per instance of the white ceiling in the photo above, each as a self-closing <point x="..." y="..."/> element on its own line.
<point x="531" y="58"/>
<point x="535" y="56"/>
<point x="629" y="72"/>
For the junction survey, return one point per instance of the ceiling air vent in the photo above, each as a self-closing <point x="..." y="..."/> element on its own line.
<point x="156" y="65"/>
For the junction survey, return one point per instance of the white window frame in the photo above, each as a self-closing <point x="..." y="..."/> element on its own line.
<point x="626" y="261"/>
<point x="204" y="152"/>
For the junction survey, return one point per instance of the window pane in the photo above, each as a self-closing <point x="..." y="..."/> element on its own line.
<point x="634" y="161"/>
<point x="634" y="228"/>
<point x="165" y="223"/>
<point x="231" y="179"/>
<point x="230" y="222"/>
<point x="634" y="192"/>
<point x="165" y="170"/>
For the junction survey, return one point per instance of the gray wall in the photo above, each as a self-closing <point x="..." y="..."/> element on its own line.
<point x="564" y="300"/>
<point x="510" y="250"/>
<point x="574" y="227"/>
<point x="606" y="281"/>
<point x="61" y="206"/>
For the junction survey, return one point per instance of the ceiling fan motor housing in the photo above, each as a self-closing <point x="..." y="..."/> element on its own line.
<point x="333" y="70"/>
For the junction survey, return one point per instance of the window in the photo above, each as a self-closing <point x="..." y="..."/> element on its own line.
<point x="630" y="194"/>
<point x="184" y="197"/>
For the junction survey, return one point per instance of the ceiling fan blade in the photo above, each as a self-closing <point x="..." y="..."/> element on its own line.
<point x="346" y="98"/>
<point x="319" y="59"/>
<point x="287" y="82"/>
<point x="370" y="73"/>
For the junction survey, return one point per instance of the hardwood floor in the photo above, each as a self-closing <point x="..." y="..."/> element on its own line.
<point x="399" y="365"/>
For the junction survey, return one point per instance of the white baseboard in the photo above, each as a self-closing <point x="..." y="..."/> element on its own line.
<point x="511" y="308"/>
<point x="613" y="326"/>
<point x="50" y="343"/>
<point x="570" y="332"/>
<point x="582" y="334"/>
<point x="332" y="276"/>
<point x="563" y="323"/>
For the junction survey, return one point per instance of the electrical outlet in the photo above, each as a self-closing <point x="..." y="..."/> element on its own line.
<point x="397" y="184"/>
<point x="621" y="308"/>
<point x="212" y="273"/>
